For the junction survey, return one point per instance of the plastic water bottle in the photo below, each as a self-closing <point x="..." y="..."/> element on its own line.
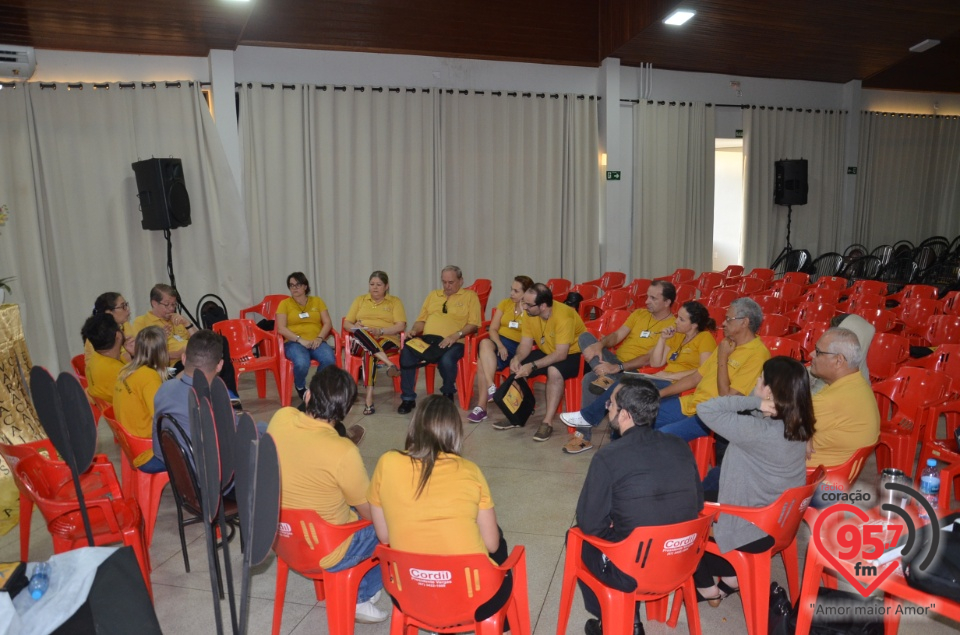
<point x="930" y="482"/>
<point x="40" y="580"/>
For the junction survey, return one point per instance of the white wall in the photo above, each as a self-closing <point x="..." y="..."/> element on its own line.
<point x="74" y="66"/>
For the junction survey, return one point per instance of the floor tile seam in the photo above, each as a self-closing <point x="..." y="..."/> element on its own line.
<point x="558" y="566"/>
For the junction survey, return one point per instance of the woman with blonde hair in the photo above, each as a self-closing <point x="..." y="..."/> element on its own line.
<point x="136" y="387"/>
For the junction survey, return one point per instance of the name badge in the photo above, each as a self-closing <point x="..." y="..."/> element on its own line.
<point x="644" y="334"/>
<point x="514" y="324"/>
<point x="178" y="338"/>
<point x="675" y="355"/>
<point x="304" y="315"/>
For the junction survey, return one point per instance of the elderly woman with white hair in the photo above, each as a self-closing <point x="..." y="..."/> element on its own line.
<point x="730" y="370"/>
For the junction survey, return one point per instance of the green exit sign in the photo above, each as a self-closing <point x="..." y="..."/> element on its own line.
<point x="739" y="134"/>
<point x="613" y="175"/>
<point x="852" y="169"/>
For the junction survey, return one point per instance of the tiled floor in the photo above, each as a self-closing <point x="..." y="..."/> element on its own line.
<point x="535" y="487"/>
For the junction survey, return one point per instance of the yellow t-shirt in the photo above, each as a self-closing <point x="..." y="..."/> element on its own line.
<point x="563" y="327"/>
<point x="443" y="520"/>
<point x="847" y="420"/>
<point x="644" y="333"/>
<point x="101" y="375"/>
<point x="463" y="307"/>
<point x="133" y="405"/>
<point x="379" y="316"/>
<point x="319" y="470"/>
<point x="688" y="357"/>
<point x="307" y="327"/>
<point x="176" y="341"/>
<point x="508" y="310"/>
<point x="743" y="366"/>
<point x="128" y="333"/>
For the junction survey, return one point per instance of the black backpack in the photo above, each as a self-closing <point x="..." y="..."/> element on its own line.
<point x="212" y="310"/>
<point x="942" y="576"/>
<point x="573" y="300"/>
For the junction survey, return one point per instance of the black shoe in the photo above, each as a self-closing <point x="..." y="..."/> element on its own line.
<point x="406" y="407"/>
<point x="592" y="627"/>
<point x="301" y="392"/>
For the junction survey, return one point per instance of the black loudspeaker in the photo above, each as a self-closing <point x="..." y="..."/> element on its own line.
<point x="790" y="183"/>
<point x="164" y="202"/>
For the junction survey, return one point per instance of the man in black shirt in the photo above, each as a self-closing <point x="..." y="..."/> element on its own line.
<point x="647" y="478"/>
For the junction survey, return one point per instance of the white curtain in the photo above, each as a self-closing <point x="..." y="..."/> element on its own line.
<point x="673" y="188"/>
<point x="771" y="134"/>
<point x="338" y="183"/>
<point x="908" y="185"/>
<point x="75" y="230"/>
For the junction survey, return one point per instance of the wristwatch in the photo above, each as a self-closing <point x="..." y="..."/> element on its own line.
<point x="534" y="365"/>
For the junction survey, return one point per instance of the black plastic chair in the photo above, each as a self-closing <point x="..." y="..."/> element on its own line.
<point x="925" y="256"/>
<point x="899" y="273"/>
<point x="884" y="253"/>
<point x="854" y="251"/>
<point x="940" y="245"/>
<point x="794" y="260"/>
<point x="828" y="264"/>
<point x="863" y="268"/>
<point x="902" y="248"/>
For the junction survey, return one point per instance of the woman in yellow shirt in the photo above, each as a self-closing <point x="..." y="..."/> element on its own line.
<point x="136" y="387"/>
<point x="382" y="318"/>
<point x="304" y="322"/>
<point x="683" y="348"/>
<point x="112" y="303"/>
<point x="428" y="499"/>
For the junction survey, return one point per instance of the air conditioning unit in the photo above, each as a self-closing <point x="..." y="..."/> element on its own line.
<point x="17" y="63"/>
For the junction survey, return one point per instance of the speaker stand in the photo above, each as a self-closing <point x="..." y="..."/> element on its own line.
<point x="173" y="279"/>
<point x="788" y="247"/>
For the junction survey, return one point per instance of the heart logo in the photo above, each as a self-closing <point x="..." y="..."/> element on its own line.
<point x="828" y="555"/>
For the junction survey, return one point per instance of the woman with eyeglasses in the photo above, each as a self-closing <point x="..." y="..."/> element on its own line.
<point x="381" y="318"/>
<point x="304" y="322"/>
<point x="496" y="351"/>
<point x="768" y="433"/>
<point x="112" y="303"/>
<point x="429" y="499"/>
<point x="136" y="387"/>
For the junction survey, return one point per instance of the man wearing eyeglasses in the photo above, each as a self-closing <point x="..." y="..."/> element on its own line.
<point x="163" y="313"/>
<point x="845" y="409"/>
<point x="450" y="313"/>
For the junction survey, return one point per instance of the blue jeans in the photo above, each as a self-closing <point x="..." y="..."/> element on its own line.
<point x="446" y="366"/>
<point x="301" y="356"/>
<point x="597" y="410"/>
<point x="361" y="548"/>
<point x="672" y="421"/>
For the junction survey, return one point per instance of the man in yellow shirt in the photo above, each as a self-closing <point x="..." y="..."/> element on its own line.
<point x="555" y="330"/>
<point x="105" y="337"/>
<point x="732" y="369"/>
<point x="449" y="314"/>
<point x="845" y="409"/>
<point x="163" y="313"/>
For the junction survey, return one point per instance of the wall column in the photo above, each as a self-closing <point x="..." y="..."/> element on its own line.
<point x="615" y="217"/>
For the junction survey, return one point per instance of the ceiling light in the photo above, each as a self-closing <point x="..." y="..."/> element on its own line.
<point x="679" y="17"/>
<point x="926" y="45"/>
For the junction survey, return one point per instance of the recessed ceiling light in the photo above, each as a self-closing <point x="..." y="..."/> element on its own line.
<point x="679" y="17"/>
<point x="926" y="45"/>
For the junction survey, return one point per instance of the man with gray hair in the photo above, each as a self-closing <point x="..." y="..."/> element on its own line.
<point x="845" y="409"/>
<point x="446" y="317"/>
<point x="732" y="369"/>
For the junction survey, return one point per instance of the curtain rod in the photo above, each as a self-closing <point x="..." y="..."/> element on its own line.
<point x="106" y="85"/>
<point x="740" y="106"/>
<point x="394" y="89"/>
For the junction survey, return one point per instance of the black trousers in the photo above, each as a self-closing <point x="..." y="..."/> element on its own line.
<point x="606" y="572"/>
<point x="712" y="565"/>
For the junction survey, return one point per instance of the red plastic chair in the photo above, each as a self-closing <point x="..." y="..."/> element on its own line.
<point x="774" y="325"/>
<point x="609" y="280"/>
<point x="946" y="359"/>
<point x="732" y="271"/>
<point x="780" y="520"/>
<point x="588" y="291"/>
<point x="287" y="375"/>
<point x="704" y="453"/>
<point x="906" y="402"/>
<point x="749" y="286"/>
<point x="721" y="298"/>
<point x="943" y="329"/>
<point x="809" y="335"/>
<point x="883" y="321"/>
<point x="812" y="312"/>
<point x="242" y="336"/>
<point x="355" y="362"/>
<point x="771" y="305"/>
<point x="797" y="277"/>
<point x="79" y="365"/>
<point x="610" y="321"/>
<point x="638" y="290"/>
<point x="887" y="353"/>
<point x="944" y="450"/>
<point x="303" y="540"/>
<point x="93" y="482"/>
<point x="831" y="282"/>
<point x="469" y="581"/>
<point x="869" y="287"/>
<point x="912" y="292"/>
<point x="685" y="293"/>
<point x="762" y="274"/>
<point x="481" y="287"/>
<point x="559" y="287"/>
<point x="708" y="281"/>
<point x="788" y="292"/>
<point x="466" y="372"/>
<point x="142" y="487"/>
<point x="865" y="301"/>
<point x="847" y="473"/>
<point x="822" y="296"/>
<point x="950" y="303"/>
<point x="113" y="518"/>
<point x="915" y="316"/>
<point x="672" y="555"/>
<point x="267" y="307"/>
<point x="783" y="346"/>
<point x="611" y="300"/>
<point x="680" y="276"/>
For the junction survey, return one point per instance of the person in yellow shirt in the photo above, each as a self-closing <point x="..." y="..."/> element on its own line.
<point x="305" y="324"/>
<point x="106" y="340"/>
<point x="732" y="369"/>
<point x="163" y="314"/>
<point x="112" y="303"/>
<point x="554" y="329"/>
<point x="449" y="314"/>
<point x="136" y="386"/>
<point x="845" y="409"/>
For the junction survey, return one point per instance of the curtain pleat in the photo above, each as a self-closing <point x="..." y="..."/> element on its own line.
<point x="673" y="188"/>
<point x="774" y="134"/>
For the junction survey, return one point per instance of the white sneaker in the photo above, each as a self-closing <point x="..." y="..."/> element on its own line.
<point x="369" y="613"/>
<point x="574" y="420"/>
<point x="491" y="391"/>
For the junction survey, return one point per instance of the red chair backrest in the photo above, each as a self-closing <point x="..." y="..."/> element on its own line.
<point x="638" y="288"/>
<point x="946" y="359"/>
<point x="746" y="286"/>
<point x="869" y="287"/>
<point x="950" y="304"/>
<point x="680" y="276"/>
<point x="242" y="336"/>
<point x="918" y="292"/>
<point x="131" y="445"/>
<point x="439" y="590"/>
<point x="847" y="473"/>
<point x="612" y="280"/>
<point x="304" y="538"/>
<point x="769" y="304"/>
<point x="831" y="282"/>
<point x="783" y="346"/>
<point x="670" y="552"/>
<point x="881" y="319"/>
<point x="774" y="325"/>
<point x="810" y="334"/>
<point x="615" y="299"/>
<point x="866" y="301"/>
<point x="822" y="296"/>
<point x="559" y="287"/>
<point x="482" y="287"/>
<point x="763" y="274"/>
<point x="786" y="290"/>
<point x="588" y="291"/>
<point x="79" y="364"/>
<point x="815" y="312"/>
<point x="916" y="312"/>
<point x="708" y="281"/>
<point x="720" y="298"/>
<point x="267" y="307"/>
<point x="610" y="321"/>
<point x="685" y="293"/>
<point x="910" y="391"/>
<point x="943" y="329"/>
<point x="886" y="354"/>
<point x="797" y="277"/>
<point x="732" y="271"/>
